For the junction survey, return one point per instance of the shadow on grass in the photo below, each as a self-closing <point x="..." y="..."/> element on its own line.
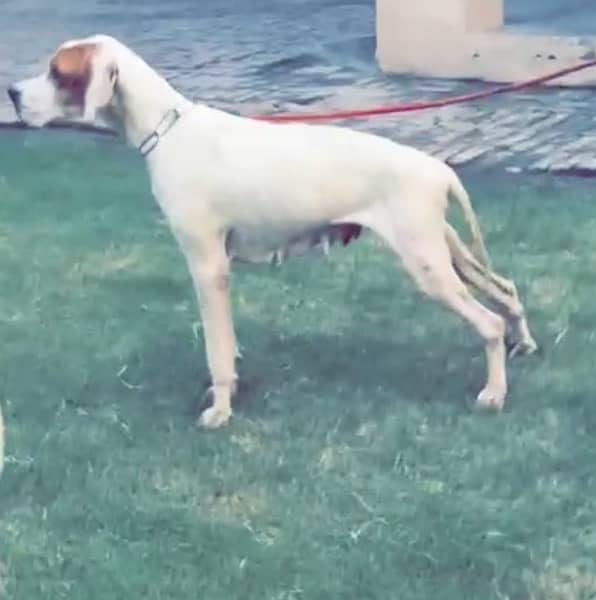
<point x="354" y="362"/>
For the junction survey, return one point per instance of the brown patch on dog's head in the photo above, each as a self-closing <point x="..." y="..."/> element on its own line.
<point x="80" y="82"/>
<point x="71" y="71"/>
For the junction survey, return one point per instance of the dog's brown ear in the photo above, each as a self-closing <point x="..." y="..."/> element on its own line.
<point x="87" y="76"/>
<point x="71" y="70"/>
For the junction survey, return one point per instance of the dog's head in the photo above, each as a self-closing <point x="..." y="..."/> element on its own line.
<point x="80" y="80"/>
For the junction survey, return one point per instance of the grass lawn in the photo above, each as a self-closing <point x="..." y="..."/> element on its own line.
<point x="352" y="469"/>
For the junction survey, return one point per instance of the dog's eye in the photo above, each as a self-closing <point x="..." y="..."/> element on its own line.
<point x="70" y="83"/>
<point x="66" y="82"/>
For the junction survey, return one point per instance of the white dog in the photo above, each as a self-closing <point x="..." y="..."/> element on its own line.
<point x="234" y="188"/>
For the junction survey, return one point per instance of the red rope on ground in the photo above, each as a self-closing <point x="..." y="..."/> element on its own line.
<point x="425" y="104"/>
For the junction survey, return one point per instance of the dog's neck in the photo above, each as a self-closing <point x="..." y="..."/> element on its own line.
<point x="142" y="98"/>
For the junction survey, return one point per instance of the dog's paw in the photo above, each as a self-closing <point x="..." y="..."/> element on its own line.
<point x="213" y="417"/>
<point x="491" y="399"/>
<point x="522" y="348"/>
<point x="519" y="342"/>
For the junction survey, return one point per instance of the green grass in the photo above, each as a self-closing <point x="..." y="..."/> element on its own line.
<point x="352" y="468"/>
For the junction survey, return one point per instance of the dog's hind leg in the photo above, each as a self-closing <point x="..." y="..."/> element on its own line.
<point x="498" y="290"/>
<point x="425" y="255"/>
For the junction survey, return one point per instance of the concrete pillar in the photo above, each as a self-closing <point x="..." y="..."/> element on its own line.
<point x="483" y="15"/>
<point x="399" y="17"/>
<point x="463" y="39"/>
<point x="411" y="33"/>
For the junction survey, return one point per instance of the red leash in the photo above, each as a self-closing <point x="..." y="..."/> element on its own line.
<point x="425" y="104"/>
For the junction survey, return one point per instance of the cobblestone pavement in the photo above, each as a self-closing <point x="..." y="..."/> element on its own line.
<point x="301" y="55"/>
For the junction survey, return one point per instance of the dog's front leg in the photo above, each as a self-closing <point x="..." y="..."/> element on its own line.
<point x="210" y="274"/>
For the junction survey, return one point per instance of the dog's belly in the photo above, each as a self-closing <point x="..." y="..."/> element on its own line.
<point x="253" y="245"/>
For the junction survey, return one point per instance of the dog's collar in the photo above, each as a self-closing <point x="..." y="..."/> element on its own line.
<point x="167" y="122"/>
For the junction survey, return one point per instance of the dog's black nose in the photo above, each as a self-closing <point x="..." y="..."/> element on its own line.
<point x="15" y="96"/>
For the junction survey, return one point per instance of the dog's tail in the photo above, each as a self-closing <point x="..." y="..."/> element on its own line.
<point x="463" y="199"/>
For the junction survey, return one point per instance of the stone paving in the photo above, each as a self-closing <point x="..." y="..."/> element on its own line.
<point x="325" y="60"/>
<point x="547" y="130"/>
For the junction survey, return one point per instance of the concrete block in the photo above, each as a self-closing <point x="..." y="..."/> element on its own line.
<point x="461" y="39"/>
<point x="483" y="15"/>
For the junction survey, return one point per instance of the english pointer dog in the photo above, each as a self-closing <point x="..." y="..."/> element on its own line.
<point x="235" y="188"/>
